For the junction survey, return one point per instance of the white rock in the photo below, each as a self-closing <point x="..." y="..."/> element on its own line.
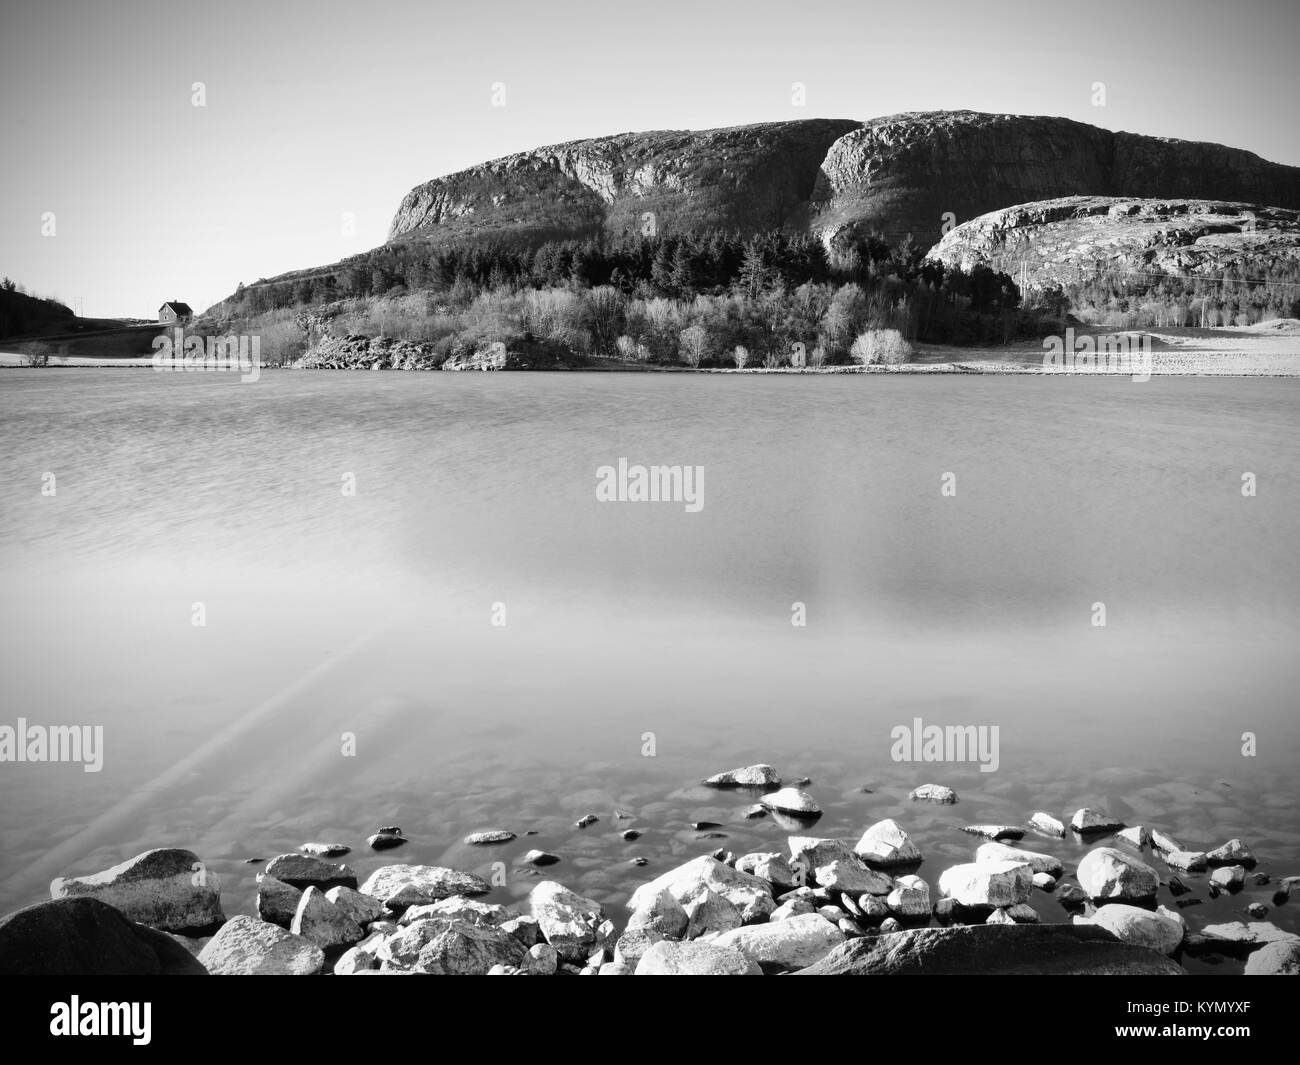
<point x="573" y="925"/>
<point x="1280" y="958"/>
<point x="1000" y="852"/>
<point x="166" y="888"/>
<point x="1044" y="881"/>
<point x="1165" y="842"/>
<point x="749" y="894"/>
<point x="463" y="949"/>
<point x="1191" y="861"/>
<point x="667" y="958"/>
<point x="1000" y="916"/>
<point x="1089" y="820"/>
<point x="660" y="913"/>
<point x="933" y="793"/>
<point x="791" y="801"/>
<point x="995" y="884"/>
<point x="1140" y="927"/>
<point x="995" y="832"/>
<point x="325" y="850"/>
<point x="831" y="864"/>
<point x="400" y="886"/>
<point x="320" y="921"/>
<point x="245" y="946"/>
<point x="488" y="838"/>
<point x="1137" y="836"/>
<point x="791" y="944"/>
<point x="769" y="866"/>
<point x="1108" y="873"/>
<point x="886" y="844"/>
<point x="1046" y="824"/>
<point x="633" y="944"/>
<point x="750" y="776"/>
<point x="792" y="908"/>
<point x="458" y="908"/>
<point x="707" y="911"/>
<point x="1233" y="851"/>
<point x="1228" y="876"/>
<point x="910" y="897"/>
<point x="1237" y="932"/>
<point x="361" y="908"/>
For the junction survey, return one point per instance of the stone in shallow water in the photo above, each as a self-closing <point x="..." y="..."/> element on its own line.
<point x="1108" y="873"/>
<point x="832" y="864"/>
<point x="303" y="871"/>
<point x="1256" y="933"/>
<point x="995" y="832"/>
<point x="630" y="834"/>
<point x="1044" y="882"/>
<point x="790" y="944"/>
<point x="1046" y="824"/>
<point x="1137" y="836"/>
<point x="695" y="959"/>
<point x="1072" y="895"/>
<point x="166" y="888"/>
<point x="1234" y="852"/>
<point x="995" y="884"/>
<point x="585" y="820"/>
<point x="886" y="844"/>
<point x="1000" y="852"/>
<point x="750" y="776"/>
<point x="753" y="813"/>
<point x="1087" y="819"/>
<point x="1190" y="861"/>
<point x="1165" y="842"/>
<point x="792" y="801"/>
<point x="400" y="886"/>
<point x="1229" y="877"/>
<point x="321" y="922"/>
<point x="489" y="837"/>
<point x="1257" y="910"/>
<point x="1132" y="924"/>
<point x="384" y="841"/>
<point x="245" y="946"/>
<point x="540" y="858"/>
<point x="933" y="793"/>
<point x="749" y="894"/>
<point x="325" y="850"/>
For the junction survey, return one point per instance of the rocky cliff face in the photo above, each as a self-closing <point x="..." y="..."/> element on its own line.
<point x="1056" y="241"/>
<point x="901" y="174"/>
<point x="748" y="177"/>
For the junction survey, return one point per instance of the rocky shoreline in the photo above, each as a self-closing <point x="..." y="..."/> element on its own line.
<point x="821" y="906"/>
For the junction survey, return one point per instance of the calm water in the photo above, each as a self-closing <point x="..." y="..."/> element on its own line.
<point x="372" y="614"/>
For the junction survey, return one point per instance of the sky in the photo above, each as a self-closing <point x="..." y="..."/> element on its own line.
<point x="117" y="191"/>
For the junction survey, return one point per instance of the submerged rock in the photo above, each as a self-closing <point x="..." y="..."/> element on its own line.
<point x="400" y="886"/>
<point x="585" y="820"/>
<point x="753" y="813"/>
<point x="245" y="946"/>
<point x="166" y="888"/>
<point x="491" y="836"/>
<point x="933" y="793"/>
<point x="885" y="844"/>
<point x="86" y="937"/>
<point x="1234" y="852"/>
<point x="695" y="959"/>
<point x="995" y="832"/>
<point x="1189" y="861"/>
<point x="750" y="776"/>
<point x="1044" y="882"/>
<point x="1107" y="873"/>
<point x="630" y="834"/>
<point x="540" y="858"/>
<point x="980" y="950"/>
<point x="385" y="841"/>
<point x="325" y="850"/>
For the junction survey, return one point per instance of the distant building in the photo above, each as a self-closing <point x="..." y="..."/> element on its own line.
<point x="172" y="312"/>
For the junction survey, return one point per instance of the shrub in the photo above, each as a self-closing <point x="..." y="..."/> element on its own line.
<point x="741" y="355"/>
<point x="881" y="346"/>
<point x="694" y="345"/>
<point x="35" y="353"/>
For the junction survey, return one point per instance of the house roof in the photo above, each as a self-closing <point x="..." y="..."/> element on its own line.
<point x="179" y="308"/>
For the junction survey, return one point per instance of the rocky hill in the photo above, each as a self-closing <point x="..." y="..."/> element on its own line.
<point x="900" y="174"/>
<point x="1058" y="241"/>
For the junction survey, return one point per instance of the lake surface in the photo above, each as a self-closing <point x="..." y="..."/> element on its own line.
<point x="643" y="646"/>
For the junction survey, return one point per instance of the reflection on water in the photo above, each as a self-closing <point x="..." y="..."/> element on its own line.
<point x="372" y="614"/>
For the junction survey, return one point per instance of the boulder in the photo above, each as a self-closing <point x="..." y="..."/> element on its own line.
<point x="165" y="888"/>
<point x="750" y="776"/>
<point x="573" y="925"/>
<point x="769" y="866"/>
<point x="1137" y="836"/>
<point x="1108" y="873"/>
<point x="1252" y="935"/>
<point x="933" y="793"/>
<point x="633" y="944"/>
<point x="1089" y="820"/>
<point x="986" y="950"/>
<point x="1234" y="852"/>
<point x="661" y="913"/>
<point x="749" y="894"/>
<point x="1162" y="841"/>
<point x="463" y="949"/>
<point x="277" y="902"/>
<point x="245" y="946"/>
<point x="1132" y="924"/>
<point x="1038" y="863"/>
<point x="885" y="844"/>
<point x="1190" y="861"/>
<point x="1023" y="913"/>
<point x="1229" y="877"/>
<point x="458" y="908"/>
<point x="1044" y="882"/>
<point x="832" y="864"/>
<point x="792" y="801"/>
<point x="525" y="929"/>
<point x="325" y="850"/>
<point x="1046" y="824"/>
<point x="303" y="871"/>
<point x="980" y="884"/>
<point x="323" y="923"/>
<point x="400" y="886"/>
<point x="541" y="960"/>
<point x="1279" y="958"/>
<point x="792" y="908"/>
<point x="707" y="911"/>
<point x="910" y="897"/>
<point x="87" y="937"/>
<point x="791" y="944"/>
<point x="361" y="908"/>
<point x="667" y="958"/>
